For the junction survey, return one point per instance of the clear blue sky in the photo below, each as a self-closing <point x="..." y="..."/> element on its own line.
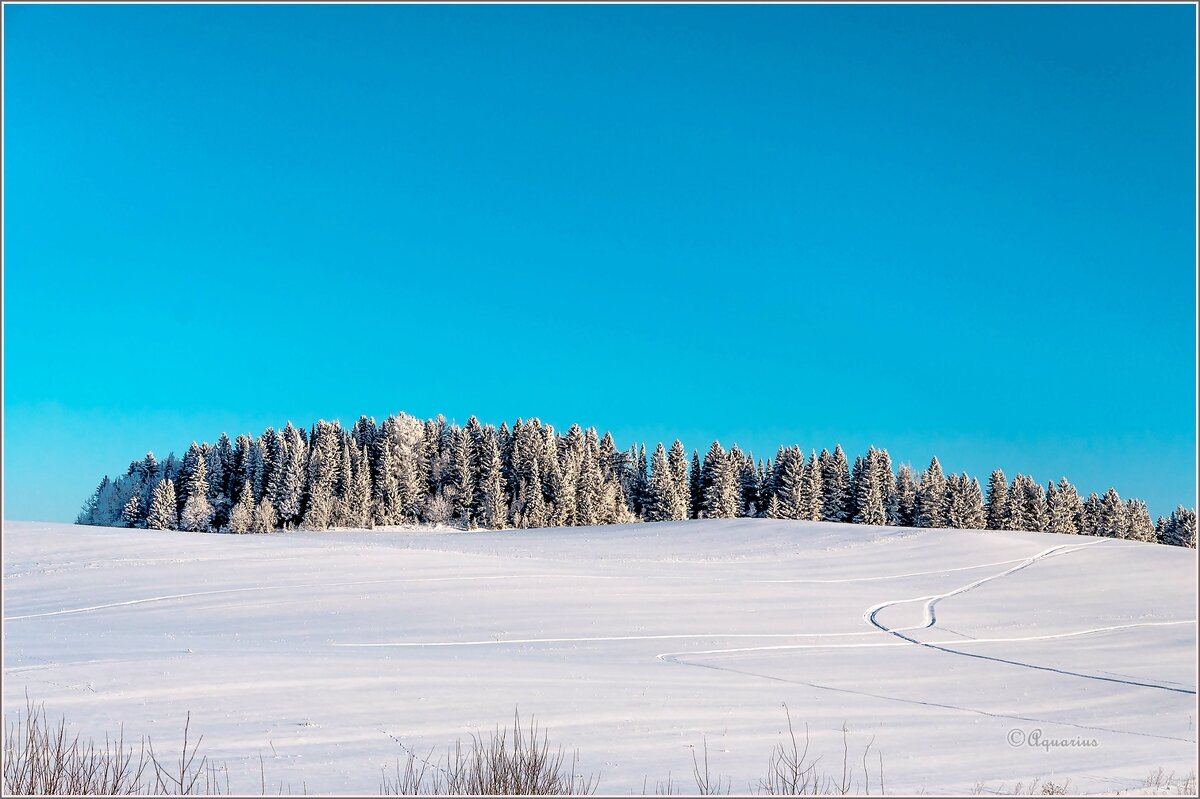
<point x="966" y="231"/>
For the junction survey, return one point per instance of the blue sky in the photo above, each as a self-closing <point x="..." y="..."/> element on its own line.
<point x="966" y="231"/>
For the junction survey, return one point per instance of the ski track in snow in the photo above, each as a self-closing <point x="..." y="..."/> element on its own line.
<point x="869" y="615"/>
<point x="217" y="592"/>
<point x="190" y="595"/>
<point x="931" y="619"/>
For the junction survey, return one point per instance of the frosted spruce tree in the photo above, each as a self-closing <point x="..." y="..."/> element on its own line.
<point x="163" y="514"/>
<point x="1138" y="526"/>
<point x="1179" y="529"/>
<point x="789" y="483"/>
<point x="660" y="493"/>
<point x="906" y="497"/>
<point x="241" y="518"/>
<point x="721" y="484"/>
<point x="1113" y="518"/>
<point x="996" y="509"/>
<point x="1064" y="508"/>
<point x="493" y="512"/>
<point x="197" y="515"/>
<point x="812" y="489"/>
<point x="930" y="507"/>
<point x="835" y="486"/>
<point x="681" y="493"/>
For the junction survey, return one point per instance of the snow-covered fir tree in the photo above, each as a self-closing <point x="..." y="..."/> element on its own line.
<point x="289" y="504"/>
<point x="789" y="484"/>
<point x="1138" y="526"/>
<point x="493" y="510"/>
<point x="241" y="518"/>
<point x="930" y="506"/>
<point x="721" y="484"/>
<point x="1064" y="508"/>
<point x="681" y="492"/>
<point x="1113" y="518"/>
<point x="696" y="488"/>
<point x="163" y="514"/>
<point x="1179" y="529"/>
<point x="835" y="485"/>
<point x="1089" y="520"/>
<point x="812" y="489"/>
<point x="996" y="509"/>
<point x="906" y="497"/>
<point x="197" y="515"/>
<point x="660" y="499"/>
<point x="871" y="489"/>
<point x="131" y="514"/>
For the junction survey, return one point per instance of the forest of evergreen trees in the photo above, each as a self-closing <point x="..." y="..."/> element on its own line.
<point x="406" y="471"/>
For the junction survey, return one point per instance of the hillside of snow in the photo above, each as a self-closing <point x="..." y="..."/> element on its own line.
<point x="633" y="644"/>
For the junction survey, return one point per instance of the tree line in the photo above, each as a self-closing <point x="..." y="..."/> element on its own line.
<point x="407" y="471"/>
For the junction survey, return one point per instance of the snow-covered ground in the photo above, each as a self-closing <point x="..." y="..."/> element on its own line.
<point x="632" y="644"/>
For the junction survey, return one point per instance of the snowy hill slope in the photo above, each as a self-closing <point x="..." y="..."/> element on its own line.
<point x="632" y="644"/>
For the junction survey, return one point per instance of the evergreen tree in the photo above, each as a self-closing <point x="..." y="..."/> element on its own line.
<point x="789" y="484"/>
<point x="324" y="459"/>
<point x="1179" y="529"/>
<point x="183" y="485"/>
<point x="1137" y="520"/>
<point x="560" y="493"/>
<point x="696" y="487"/>
<point x="162" y="514"/>
<point x="386" y="501"/>
<point x="976" y="516"/>
<point x="493" y="508"/>
<point x="748" y="486"/>
<point x="219" y="460"/>
<point x="660" y="500"/>
<point x="89" y="513"/>
<point x="289" y="503"/>
<point x="835" y="486"/>
<point x="886" y="479"/>
<point x="265" y="519"/>
<point x="681" y="492"/>
<point x="241" y="518"/>
<point x="931" y="497"/>
<point x="997" y="501"/>
<point x="773" y="509"/>
<point x="869" y="485"/>
<point x="906" y="497"/>
<point x="356" y="506"/>
<point x="1027" y="509"/>
<point x="131" y="515"/>
<point x="859" y="481"/>
<point x="641" y="484"/>
<point x="243" y="449"/>
<point x="812" y="489"/>
<point x="1112" y="522"/>
<point x="1090" y="519"/>
<point x="197" y="513"/>
<point x="721" y="484"/>
<point x="1062" y="508"/>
